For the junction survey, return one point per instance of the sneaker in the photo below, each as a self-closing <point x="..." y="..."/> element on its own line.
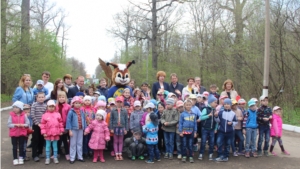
<point x="285" y="152"/>
<point x="247" y="154"/>
<point x="266" y="153"/>
<point x="16" y="162"/>
<point x="67" y="157"/>
<point x="166" y="155"/>
<point x="179" y="156"/>
<point x="210" y="158"/>
<point x="41" y="156"/>
<point x="273" y="153"/>
<point x="112" y="153"/>
<point x="235" y="154"/>
<point x="36" y="159"/>
<point x="21" y="161"/>
<point x="191" y="160"/>
<point x="141" y="157"/>
<point x="225" y="159"/>
<point x="259" y="153"/>
<point x="158" y="159"/>
<point x="27" y="159"/>
<point x="133" y="158"/>
<point x="195" y="147"/>
<point x="241" y="153"/>
<point x="55" y="160"/>
<point x="200" y="157"/>
<point x="149" y="161"/>
<point x="47" y="161"/>
<point x="183" y="159"/>
<point x="171" y="157"/>
<point x="219" y="159"/>
<point x="255" y="154"/>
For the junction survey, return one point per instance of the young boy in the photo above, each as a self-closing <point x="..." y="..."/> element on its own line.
<point x="209" y="127"/>
<point x="40" y="88"/>
<point x="136" y="116"/>
<point x="200" y="102"/>
<point x="227" y="121"/>
<point x="213" y="90"/>
<point x="38" y="108"/>
<point x="146" y="90"/>
<point x="264" y="114"/>
<point x="102" y="87"/>
<point x="180" y="109"/>
<point x="250" y="130"/>
<point x="26" y="109"/>
<point x="196" y="110"/>
<point x="135" y="145"/>
<point x="169" y="120"/>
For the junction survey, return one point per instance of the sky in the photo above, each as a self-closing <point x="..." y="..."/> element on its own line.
<point x="87" y="37"/>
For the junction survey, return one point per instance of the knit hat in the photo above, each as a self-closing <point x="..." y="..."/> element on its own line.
<point x="149" y="105"/>
<point x="154" y="102"/>
<point x="205" y="94"/>
<point x="179" y="103"/>
<point x="40" y="82"/>
<point x="76" y="99"/>
<point x="242" y="101"/>
<point x="276" y="108"/>
<point x="100" y="104"/>
<point x="79" y="94"/>
<point x="126" y="104"/>
<point x="137" y="103"/>
<point x="171" y="94"/>
<point x="192" y="96"/>
<point x="170" y="101"/>
<point x="211" y="98"/>
<point x="119" y="99"/>
<point x="228" y="101"/>
<point x="154" y="119"/>
<point x="18" y="104"/>
<point x="87" y="98"/>
<point x="103" y="98"/>
<point x="51" y="103"/>
<point x="101" y="112"/>
<point x="251" y="103"/>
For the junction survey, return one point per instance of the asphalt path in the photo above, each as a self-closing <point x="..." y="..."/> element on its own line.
<point x="291" y="142"/>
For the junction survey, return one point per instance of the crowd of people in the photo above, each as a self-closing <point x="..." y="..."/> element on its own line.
<point x="164" y="120"/>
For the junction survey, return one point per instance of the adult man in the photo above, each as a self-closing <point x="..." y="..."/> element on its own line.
<point x="48" y="85"/>
<point x="198" y="89"/>
<point x="175" y="87"/>
<point x="79" y="86"/>
<point x="68" y="82"/>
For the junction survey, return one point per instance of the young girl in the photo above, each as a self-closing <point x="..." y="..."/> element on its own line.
<point x="99" y="136"/>
<point x="51" y="128"/>
<point x="76" y="124"/>
<point x="101" y="105"/>
<point x="118" y="126"/>
<point x="188" y="130"/>
<point x="139" y="95"/>
<point x="237" y="133"/>
<point x="151" y="131"/>
<point x="62" y="107"/>
<point x="17" y="121"/>
<point x="136" y="117"/>
<point x="146" y="116"/>
<point x="276" y="130"/>
<point x="89" y="113"/>
<point x="26" y="109"/>
<point x="127" y="98"/>
<point x="161" y="140"/>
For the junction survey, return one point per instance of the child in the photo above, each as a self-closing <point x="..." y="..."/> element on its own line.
<point x="180" y="109"/>
<point x="173" y="96"/>
<point x="103" y="87"/>
<point x="138" y="95"/>
<point x="146" y="90"/>
<point x="136" y="117"/>
<point x="196" y="110"/>
<point x="146" y="116"/>
<point x="205" y="97"/>
<point x="17" y="123"/>
<point x="264" y="115"/>
<point x="40" y="88"/>
<point x="26" y="109"/>
<point x="237" y="133"/>
<point x="251" y="125"/>
<point x="38" y="108"/>
<point x="220" y="107"/>
<point x="241" y="105"/>
<point x="51" y="128"/>
<point x="63" y="108"/>
<point x="89" y="113"/>
<point x="135" y="145"/>
<point x="276" y="131"/>
<point x="188" y="130"/>
<point x="76" y="124"/>
<point x="213" y="90"/>
<point x="80" y="95"/>
<point x="209" y="127"/>
<point x="161" y="140"/>
<point x="169" y="120"/>
<point x="99" y="136"/>
<point x="227" y="121"/>
<point x="110" y="144"/>
<point x="200" y="102"/>
<point x="128" y="99"/>
<point x="118" y="126"/>
<point x="151" y="131"/>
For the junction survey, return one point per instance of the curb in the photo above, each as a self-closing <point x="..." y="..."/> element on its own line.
<point x="289" y="127"/>
<point x="5" y="108"/>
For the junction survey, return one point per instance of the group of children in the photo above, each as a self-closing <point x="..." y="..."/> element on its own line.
<point x="143" y="126"/>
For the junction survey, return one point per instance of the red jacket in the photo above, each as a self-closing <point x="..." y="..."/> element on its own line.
<point x="64" y="114"/>
<point x="18" y="119"/>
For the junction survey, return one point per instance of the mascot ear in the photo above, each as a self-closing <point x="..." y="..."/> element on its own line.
<point x="112" y="64"/>
<point x="130" y="63"/>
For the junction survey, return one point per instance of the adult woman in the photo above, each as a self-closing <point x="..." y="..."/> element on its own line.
<point x="229" y="91"/>
<point x="188" y="90"/>
<point x="160" y="85"/>
<point x="58" y="86"/>
<point x="24" y="92"/>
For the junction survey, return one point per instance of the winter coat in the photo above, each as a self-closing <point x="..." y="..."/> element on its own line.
<point x="263" y="112"/>
<point x="135" y="119"/>
<point x="223" y="118"/>
<point x="17" y="119"/>
<point x="52" y="125"/>
<point x="64" y="114"/>
<point x="99" y="135"/>
<point x="250" y="119"/>
<point x="276" y="126"/>
<point x="172" y="118"/>
<point x="151" y="132"/>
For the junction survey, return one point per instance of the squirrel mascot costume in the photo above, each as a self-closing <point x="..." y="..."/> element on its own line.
<point x="119" y="77"/>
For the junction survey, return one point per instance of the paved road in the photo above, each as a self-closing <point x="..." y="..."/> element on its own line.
<point x="291" y="141"/>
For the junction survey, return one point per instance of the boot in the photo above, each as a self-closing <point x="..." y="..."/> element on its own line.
<point x="95" y="156"/>
<point x="101" y="156"/>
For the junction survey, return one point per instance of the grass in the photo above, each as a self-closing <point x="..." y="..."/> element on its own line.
<point x="291" y="117"/>
<point x="5" y="98"/>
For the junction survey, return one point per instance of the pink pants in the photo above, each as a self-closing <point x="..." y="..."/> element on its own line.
<point x="118" y="144"/>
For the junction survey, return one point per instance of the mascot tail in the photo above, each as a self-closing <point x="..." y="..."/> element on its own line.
<point x="108" y="72"/>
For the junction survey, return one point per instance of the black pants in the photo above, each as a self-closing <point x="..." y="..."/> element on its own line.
<point x="18" y="142"/>
<point x="63" y="139"/>
<point x="37" y="141"/>
<point x="110" y="144"/>
<point x="137" y="149"/>
<point x="161" y="140"/>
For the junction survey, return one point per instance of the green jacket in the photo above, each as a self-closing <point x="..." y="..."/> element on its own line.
<point x="172" y="118"/>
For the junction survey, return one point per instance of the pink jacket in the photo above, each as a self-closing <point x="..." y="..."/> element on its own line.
<point x="99" y="136"/>
<point x="17" y="119"/>
<point x="276" y="126"/>
<point x="52" y="125"/>
<point x="66" y="108"/>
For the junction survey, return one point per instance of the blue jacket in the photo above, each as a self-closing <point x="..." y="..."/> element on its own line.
<point x="251" y="119"/>
<point x="223" y="118"/>
<point x="188" y="122"/>
<point x="196" y="111"/>
<point x="178" y="86"/>
<point x="72" y="120"/>
<point x="36" y="91"/>
<point x="208" y="122"/>
<point x="103" y="91"/>
<point x="151" y="132"/>
<point x="116" y="91"/>
<point x="156" y="87"/>
<point x="22" y="96"/>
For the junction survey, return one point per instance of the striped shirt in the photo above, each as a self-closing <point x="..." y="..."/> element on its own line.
<point x="37" y="111"/>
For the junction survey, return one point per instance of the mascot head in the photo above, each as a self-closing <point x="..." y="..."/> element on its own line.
<point x="121" y="74"/>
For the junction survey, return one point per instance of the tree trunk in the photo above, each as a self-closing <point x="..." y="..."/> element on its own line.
<point x="25" y="35"/>
<point x="3" y="38"/>
<point x="154" y="35"/>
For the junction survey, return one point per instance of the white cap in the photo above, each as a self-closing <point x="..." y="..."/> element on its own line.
<point x="254" y="99"/>
<point x="87" y="98"/>
<point x="276" y="108"/>
<point x="51" y="103"/>
<point x="262" y="97"/>
<point x="18" y="104"/>
<point x="40" y="82"/>
<point x="149" y="105"/>
<point x="101" y="112"/>
<point x="136" y="103"/>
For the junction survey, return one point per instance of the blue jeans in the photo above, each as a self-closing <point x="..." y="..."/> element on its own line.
<point x="86" y="149"/>
<point x="239" y="134"/>
<point x="224" y="139"/>
<point x="187" y="144"/>
<point x="153" y="151"/>
<point x="205" y="134"/>
<point x="169" y="141"/>
<point x="178" y="144"/>
<point x="25" y="146"/>
<point x="264" y="131"/>
<point x="250" y="140"/>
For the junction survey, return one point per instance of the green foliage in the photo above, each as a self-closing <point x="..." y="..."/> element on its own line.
<point x="5" y="98"/>
<point x="291" y="116"/>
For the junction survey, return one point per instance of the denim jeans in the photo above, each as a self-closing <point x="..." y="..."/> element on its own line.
<point x="224" y="139"/>
<point x="187" y="144"/>
<point x="250" y="140"/>
<point x="207" y="134"/>
<point x="85" y="147"/>
<point x="239" y="134"/>
<point x="264" y="131"/>
<point x="153" y="151"/>
<point x="169" y="141"/>
<point x="178" y="144"/>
